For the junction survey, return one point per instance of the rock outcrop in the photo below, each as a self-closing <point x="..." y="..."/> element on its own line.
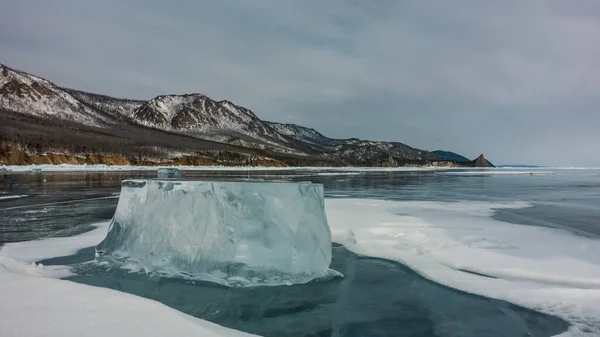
<point x="482" y="162"/>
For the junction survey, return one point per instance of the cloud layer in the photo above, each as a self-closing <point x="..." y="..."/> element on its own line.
<point x="518" y="80"/>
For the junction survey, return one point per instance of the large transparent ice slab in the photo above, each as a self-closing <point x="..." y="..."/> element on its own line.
<point x="233" y="233"/>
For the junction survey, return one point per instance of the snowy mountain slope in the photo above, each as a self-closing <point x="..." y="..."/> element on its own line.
<point x="447" y="155"/>
<point x="117" y="107"/>
<point x="198" y="116"/>
<point x="357" y="151"/>
<point x="352" y="149"/>
<point x="363" y="152"/>
<point x="299" y="133"/>
<point x="28" y="94"/>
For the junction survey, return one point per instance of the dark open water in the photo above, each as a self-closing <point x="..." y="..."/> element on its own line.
<point x="376" y="297"/>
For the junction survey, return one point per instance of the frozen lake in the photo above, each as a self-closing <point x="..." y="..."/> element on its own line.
<point x="431" y="221"/>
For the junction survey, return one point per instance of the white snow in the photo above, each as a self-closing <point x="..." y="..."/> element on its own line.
<point x="39" y="306"/>
<point x="8" y="197"/>
<point x="36" y="250"/>
<point x="33" y="304"/>
<point x="549" y="270"/>
<point x="503" y="171"/>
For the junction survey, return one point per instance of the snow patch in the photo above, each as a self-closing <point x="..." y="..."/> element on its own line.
<point x="9" y="197"/>
<point x="41" y="306"/>
<point x="459" y="245"/>
<point x="30" y="293"/>
<point x="36" y="250"/>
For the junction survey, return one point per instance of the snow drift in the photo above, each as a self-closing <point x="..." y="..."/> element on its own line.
<point x="232" y="233"/>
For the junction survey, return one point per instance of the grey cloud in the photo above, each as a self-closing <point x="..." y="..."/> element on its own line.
<point x="518" y="80"/>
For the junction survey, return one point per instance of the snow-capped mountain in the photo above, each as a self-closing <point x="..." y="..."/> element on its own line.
<point x="300" y="133"/>
<point x="118" y="108"/>
<point x="201" y="116"/>
<point x="196" y="116"/>
<point x="224" y="121"/>
<point x="21" y="92"/>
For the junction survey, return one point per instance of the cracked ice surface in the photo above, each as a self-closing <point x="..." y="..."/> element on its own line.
<point x="233" y="233"/>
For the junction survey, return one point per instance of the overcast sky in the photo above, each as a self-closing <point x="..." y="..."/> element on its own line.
<point x="517" y="80"/>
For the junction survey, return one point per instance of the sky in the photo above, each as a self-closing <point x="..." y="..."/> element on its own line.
<point x="516" y="80"/>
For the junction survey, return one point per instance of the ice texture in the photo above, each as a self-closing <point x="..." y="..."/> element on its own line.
<point x="168" y="172"/>
<point x="233" y="233"/>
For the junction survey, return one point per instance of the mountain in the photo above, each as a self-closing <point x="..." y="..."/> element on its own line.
<point x="451" y="156"/>
<point x="482" y="162"/>
<point x="40" y="117"/>
<point x="37" y="97"/>
<point x="117" y="108"/>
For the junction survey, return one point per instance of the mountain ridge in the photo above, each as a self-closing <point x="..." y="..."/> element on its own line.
<point x="448" y="155"/>
<point x="217" y="126"/>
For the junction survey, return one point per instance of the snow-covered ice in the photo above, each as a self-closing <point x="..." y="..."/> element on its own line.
<point x="233" y="233"/>
<point x="461" y="246"/>
<point x="34" y="303"/>
<point x="31" y="251"/>
<point x="498" y="171"/>
<point x="39" y="306"/>
<point x="8" y="197"/>
<point x="457" y="244"/>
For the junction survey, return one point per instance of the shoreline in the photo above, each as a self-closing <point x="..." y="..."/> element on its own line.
<point x="110" y="167"/>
